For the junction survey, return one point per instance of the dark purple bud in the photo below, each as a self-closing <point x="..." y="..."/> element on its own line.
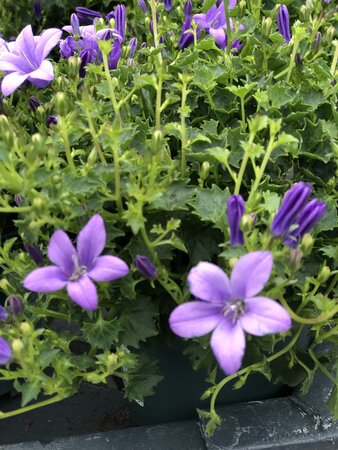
<point x="110" y="15"/>
<point x="284" y="23"/>
<point x="168" y="4"/>
<point x="133" y="47"/>
<point x="86" y="58"/>
<point x="293" y="203"/>
<point x="86" y="16"/>
<point x="15" y="305"/>
<point x="236" y="46"/>
<point x="5" y="351"/>
<point x="33" y="103"/>
<point x="143" y="45"/>
<point x="107" y="35"/>
<point x="187" y="8"/>
<point x="186" y="36"/>
<point x="120" y="20"/>
<point x="37" y="10"/>
<point x="145" y="266"/>
<point x="3" y="314"/>
<point x="143" y="6"/>
<point x="115" y="55"/>
<point x="35" y="253"/>
<point x="317" y="41"/>
<point x="68" y="47"/>
<point x="298" y="60"/>
<point x="18" y="198"/>
<point x="307" y="219"/>
<point x="75" y="23"/>
<point x="235" y="211"/>
<point x="51" y="120"/>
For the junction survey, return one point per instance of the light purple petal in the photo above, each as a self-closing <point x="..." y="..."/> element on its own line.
<point x="208" y="282"/>
<point x="11" y="82"/>
<point x="211" y="14"/>
<point x="48" y="40"/>
<point x="83" y="292"/>
<point x="194" y="319"/>
<point x="61" y="251"/>
<point x="45" y="279"/>
<point x="219" y="36"/>
<point x="5" y="351"/>
<point x="264" y="316"/>
<point x="43" y="75"/>
<point x="108" y="268"/>
<point x="228" y="345"/>
<point x="9" y="61"/>
<point x="91" y="241"/>
<point x="232" y="3"/>
<point x="201" y="21"/>
<point x="250" y="274"/>
<point x="25" y="45"/>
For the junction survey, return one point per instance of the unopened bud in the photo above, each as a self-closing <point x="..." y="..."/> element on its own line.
<point x="247" y="222"/>
<point x="295" y="259"/>
<point x="204" y="172"/>
<point x="330" y="34"/>
<point x="61" y="104"/>
<point x="15" y="305"/>
<point x="26" y="328"/>
<point x="51" y="121"/>
<point x="324" y="274"/>
<point x="17" y="346"/>
<point x="317" y="41"/>
<point x="74" y="64"/>
<point x="35" y="253"/>
<point x="112" y="359"/>
<point x="309" y="5"/>
<point x="307" y="244"/>
<point x="3" y="314"/>
<point x="38" y="144"/>
<point x="266" y="26"/>
<point x="298" y="60"/>
<point x="233" y="262"/>
<point x="33" y="103"/>
<point x="38" y="203"/>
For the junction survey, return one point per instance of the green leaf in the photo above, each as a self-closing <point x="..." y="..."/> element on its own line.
<point x="210" y="205"/>
<point x="29" y="390"/>
<point x="102" y="333"/>
<point x="174" y="198"/>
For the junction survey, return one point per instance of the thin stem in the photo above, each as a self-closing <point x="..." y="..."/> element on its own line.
<point x="18" y="209"/>
<point x="67" y="149"/>
<point x="292" y="61"/>
<point x="243" y="114"/>
<point x="332" y="284"/>
<point x="183" y="129"/>
<point x="111" y="88"/>
<point x="322" y="368"/>
<point x="50" y="313"/>
<point x="5" y="415"/>
<point x="94" y="137"/>
<point x="117" y="174"/>
<point x="335" y="59"/>
<point x="316" y="320"/>
<point x="243" y="166"/>
<point x="252" y="367"/>
<point x="158" y="104"/>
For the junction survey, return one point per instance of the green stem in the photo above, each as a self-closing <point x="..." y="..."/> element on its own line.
<point x="243" y="114"/>
<point x="228" y="30"/>
<point x="262" y="167"/>
<point x="322" y="368"/>
<point x="117" y="174"/>
<point x="50" y="313"/>
<point x="94" y="137"/>
<point x="332" y="284"/>
<point x="18" y="209"/>
<point x="252" y="367"/>
<point x="68" y="150"/>
<point x="5" y="415"/>
<point x="316" y="320"/>
<point x="335" y="59"/>
<point x="111" y="89"/>
<point x="158" y="104"/>
<point x="183" y="129"/>
<point x="292" y="61"/>
<point x="243" y="166"/>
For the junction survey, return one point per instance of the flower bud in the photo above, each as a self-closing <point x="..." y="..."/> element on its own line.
<point x="3" y="314"/>
<point x="235" y="210"/>
<point x="5" y="351"/>
<point x="295" y="259"/>
<point x="35" y="253"/>
<point x="145" y="266"/>
<point x="38" y="144"/>
<point x="187" y="8"/>
<point x="324" y="274"/>
<point x="204" y="172"/>
<point x="37" y="10"/>
<point x="26" y="328"/>
<point x="18" y="198"/>
<point x="86" y="16"/>
<point x="266" y="26"/>
<point x="330" y="34"/>
<point x="75" y="23"/>
<point x="61" y="103"/>
<point x="317" y="41"/>
<point x="307" y="244"/>
<point x="143" y="6"/>
<point x="309" y="5"/>
<point x="51" y="121"/>
<point x="168" y="4"/>
<point x="15" y="305"/>
<point x="298" y="60"/>
<point x="283" y="23"/>
<point x="33" y="103"/>
<point x="132" y="46"/>
<point x="248" y="222"/>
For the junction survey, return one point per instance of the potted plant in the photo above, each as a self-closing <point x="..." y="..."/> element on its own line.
<point x="172" y="173"/>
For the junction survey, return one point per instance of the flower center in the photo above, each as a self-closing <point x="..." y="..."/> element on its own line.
<point x="234" y="310"/>
<point x="78" y="270"/>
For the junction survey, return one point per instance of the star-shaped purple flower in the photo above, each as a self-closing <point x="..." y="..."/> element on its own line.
<point x="230" y="308"/>
<point x="76" y="268"/>
<point x="25" y="59"/>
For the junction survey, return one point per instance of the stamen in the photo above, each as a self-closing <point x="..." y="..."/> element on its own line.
<point x="78" y="270"/>
<point x="234" y="310"/>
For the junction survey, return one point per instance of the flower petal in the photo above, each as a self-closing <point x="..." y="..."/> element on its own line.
<point x="264" y="316"/>
<point x="208" y="282"/>
<point x="194" y="319"/>
<point x="61" y="251"/>
<point x="228" y="345"/>
<point x="11" y="82"/>
<point x="25" y="46"/>
<point x="220" y="36"/>
<point x="108" y="268"/>
<point x="5" y="351"/>
<point x="48" y="40"/>
<point x="250" y="274"/>
<point x="14" y="63"/>
<point x="201" y="20"/>
<point x="43" y="75"/>
<point x="45" y="279"/>
<point x="83" y="292"/>
<point x="91" y="241"/>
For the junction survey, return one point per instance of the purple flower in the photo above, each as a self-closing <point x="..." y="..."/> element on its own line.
<point x="187" y="8"/>
<point x="115" y="55"/>
<point x="235" y="211"/>
<point x="51" y="120"/>
<point x="34" y="251"/>
<point x="110" y="15"/>
<point x="229" y="308"/>
<point x="3" y="314"/>
<point x="120" y="20"/>
<point x="33" y="103"/>
<point x="143" y="6"/>
<point x="67" y="47"/>
<point x="307" y="219"/>
<point x="293" y="202"/>
<point x="186" y="37"/>
<point x="75" y="268"/>
<point x="37" y="10"/>
<point x="5" y="351"/>
<point x="284" y="23"/>
<point x="214" y="22"/>
<point x="26" y="60"/>
<point x="75" y="24"/>
<point x="236" y="46"/>
<point x="86" y="16"/>
<point x="133" y="46"/>
<point x="168" y="4"/>
<point x="145" y="266"/>
<point x="15" y="305"/>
